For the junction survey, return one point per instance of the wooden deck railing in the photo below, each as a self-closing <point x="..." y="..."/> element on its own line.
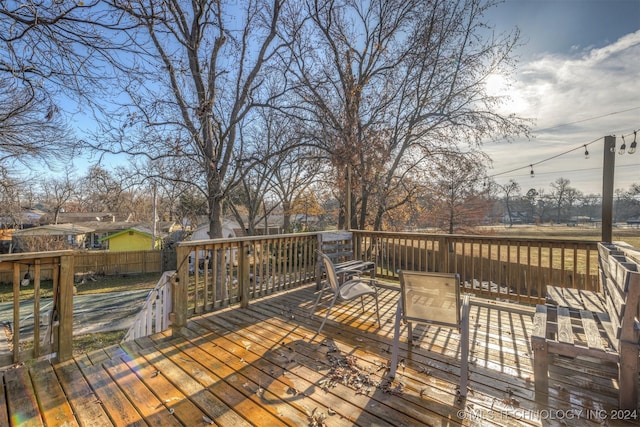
<point x="515" y="269"/>
<point x="226" y="271"/>
<point x="37" y="330"/>
<point x="219" y="272"/>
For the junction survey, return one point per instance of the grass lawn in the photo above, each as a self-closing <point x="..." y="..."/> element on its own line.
<point x="129" y="282"/>
<point x="580" y="232"/>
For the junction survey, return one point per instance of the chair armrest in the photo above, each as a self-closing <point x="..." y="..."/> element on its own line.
<point x="353" y="271"/>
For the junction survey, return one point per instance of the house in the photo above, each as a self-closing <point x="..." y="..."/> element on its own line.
<point x="82" y="217"/>
<point x="201" y="232"/>
<point x="136" y="238"/>
<point x="27" y="217"/>
<point x="51" y="237"/>
<point x="230" y="229"/>
<point x="6" y="240"/>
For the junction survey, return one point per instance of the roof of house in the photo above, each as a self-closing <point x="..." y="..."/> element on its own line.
<point x="54" y="230"/>
<point x="139" y="229"/>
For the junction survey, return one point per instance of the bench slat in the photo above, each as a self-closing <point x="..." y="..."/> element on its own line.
<point x="605" y="321"/>
<point x="565" y="332"/>
<point x="592" y="301"/>
<point x="573" y="298"/>
<point x="591" y="330"/>
<point x="540" y="322"/>
<point x="555" y="295"/>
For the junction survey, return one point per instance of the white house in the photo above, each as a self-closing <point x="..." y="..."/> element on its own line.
<point x="201" y="232"/>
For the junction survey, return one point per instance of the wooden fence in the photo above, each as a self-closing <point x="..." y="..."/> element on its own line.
<point x="219" y="272"/>
<point x="107" y="263"/>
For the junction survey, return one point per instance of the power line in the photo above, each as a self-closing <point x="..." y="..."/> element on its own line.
<point x="547" y="159"/>
<point x="579" y="170"/>
<point x="588" y="119"/>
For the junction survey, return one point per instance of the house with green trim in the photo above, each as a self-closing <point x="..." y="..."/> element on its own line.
<point x="137" y="238"/>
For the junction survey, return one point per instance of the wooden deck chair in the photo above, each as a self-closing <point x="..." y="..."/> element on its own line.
<point x="434" y="299"/>
<point x="350" y="289"/>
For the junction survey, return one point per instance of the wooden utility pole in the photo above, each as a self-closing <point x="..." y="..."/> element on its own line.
<point x="608" y="169"/>
<point x="348" y="213"/>
<point x="154" y="228"/>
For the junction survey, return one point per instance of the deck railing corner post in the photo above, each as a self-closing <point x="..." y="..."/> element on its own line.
<point x="65" y="308"/>
<point x="180" y="289"/>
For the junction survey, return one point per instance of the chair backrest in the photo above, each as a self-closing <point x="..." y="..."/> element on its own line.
<point x="337" y="245"/>
<point x="332" y="277"/>
<point x="431" y="297"/>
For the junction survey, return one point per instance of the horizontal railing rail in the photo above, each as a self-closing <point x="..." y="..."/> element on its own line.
<point x="516" y="269"/>
<point x="35" y="329"/>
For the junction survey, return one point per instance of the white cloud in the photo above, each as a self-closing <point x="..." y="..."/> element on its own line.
<point x="575" y="99"/>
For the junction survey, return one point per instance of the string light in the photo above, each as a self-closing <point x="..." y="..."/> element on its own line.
<point x="623" y="146"/>
<point x="632" y="148"/>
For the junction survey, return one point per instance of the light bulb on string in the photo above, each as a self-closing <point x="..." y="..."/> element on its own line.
<point x="586" y="152"/>
<point x="632" y="147"/>
<point x="531" y="174"/>
<point x="623" y="146"/>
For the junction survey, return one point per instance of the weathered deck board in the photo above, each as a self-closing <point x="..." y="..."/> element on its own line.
<point x="264" y="366"/>
<point x="86" y="407"/>
<point x="54" y="407"/>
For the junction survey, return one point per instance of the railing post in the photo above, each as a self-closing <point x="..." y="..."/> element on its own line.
<point x="608" y="170"/>
<point x="243" y="274"/>
<point x="65" y="308"/>
<point x="180" y="289"/>
<point x="442" y="259"/>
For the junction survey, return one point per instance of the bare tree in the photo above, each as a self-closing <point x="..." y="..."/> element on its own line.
<point x="391" y="83"/>
<point x="32" y="132"/>
<point x="628" y="203"/>
<point x="11" y="191"/>
<point x="194" y="76"/>
<point x="57" y="191"/>
<point x="100" y="190"/>
<point x="511" y="189"/>
<point x="45" y="46"/>
<point x="456" y="194"/>
<point x="561" y="193"/>
<point x="290" y="162"/>
<point x="247" y="201"/>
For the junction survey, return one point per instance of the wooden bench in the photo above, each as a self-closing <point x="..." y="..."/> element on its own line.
<point x="338" y="246"/>
<point x="602" y="325"/>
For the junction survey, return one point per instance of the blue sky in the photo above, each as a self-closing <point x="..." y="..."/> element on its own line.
<point x="578" y="77"/>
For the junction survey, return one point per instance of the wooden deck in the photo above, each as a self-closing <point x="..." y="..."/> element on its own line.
<point x="264" y="366"/>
